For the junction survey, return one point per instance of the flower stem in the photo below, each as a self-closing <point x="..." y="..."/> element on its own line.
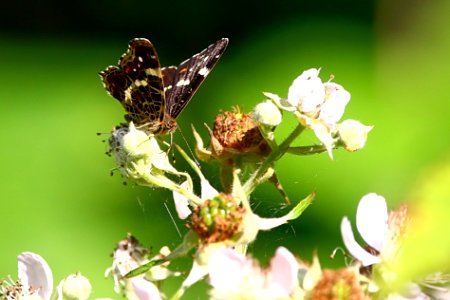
<point x="251" y="183"/>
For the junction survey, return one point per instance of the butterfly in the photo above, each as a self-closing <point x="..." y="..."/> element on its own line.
<point x="153" y="97"/>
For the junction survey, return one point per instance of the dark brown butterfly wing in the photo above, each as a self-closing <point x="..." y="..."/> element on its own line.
<point x="154" y="97"/>
<point x="138" y="85"/>
<point x="189" y="75"/>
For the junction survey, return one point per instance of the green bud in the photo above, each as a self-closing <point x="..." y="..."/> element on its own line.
<point x="75" y="287"/>
<point x="267" y="114"/>
<point x="353" y="134"/>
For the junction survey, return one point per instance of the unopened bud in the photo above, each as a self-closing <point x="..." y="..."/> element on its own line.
<point x="267" y="113"/>
<point x="76" y="287"/>
<point x="353" y="134"/>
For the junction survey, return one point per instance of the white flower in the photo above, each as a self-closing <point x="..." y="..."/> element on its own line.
<point x="35" y="274"/>
<point x="140" y="157"/>
<point x="36" y="282"/>
<point x="319" y="106"/>
<point x="128" y="256"/>
<point x="234" y="276"/>
<point x="372" y="224"/>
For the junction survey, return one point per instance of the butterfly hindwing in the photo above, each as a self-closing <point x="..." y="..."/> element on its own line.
<point x="168" y="75"/>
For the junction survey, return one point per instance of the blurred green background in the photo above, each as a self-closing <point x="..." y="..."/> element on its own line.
<point x="56" y="195"/>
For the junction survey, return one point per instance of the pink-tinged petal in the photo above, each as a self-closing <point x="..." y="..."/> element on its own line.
<point x="283" y="270"/>
<point x="182" y="203"/>
<point x="333" y="108"/>
<point x="307" y="91"/>
<point x="226" y="269"/>
<point x="354" y="248"/>
<point x="372" y="220"/>
<point x="34" y="273"/>
<point x="144" y="289"/>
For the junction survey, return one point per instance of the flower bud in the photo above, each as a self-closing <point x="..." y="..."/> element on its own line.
<point x="267" y="113"/>
<point x="75" y="287"/>
<point x="353" y="134"/>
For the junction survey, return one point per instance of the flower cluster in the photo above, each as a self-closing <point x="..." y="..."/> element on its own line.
<point x="221" y="222"/>
<point x="35" y="282"/>
<point x="319" y="106"/>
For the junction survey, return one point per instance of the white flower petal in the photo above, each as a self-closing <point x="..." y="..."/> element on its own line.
<point x="307" y="91"/>
<point x="333" y="108"/>
<point x="34" y="273"/>
<point x="227" y="268"/>
<point x="281" y="103"/>
<point x="144" y="289"/>
<point x="181" y="202"/>
<point x="324" y="135"/>
<point x="207" y="190"/>
<point x="353" y="247"/>
<point x="372" y="220"/>
<point x="283" y="269"/>
<point x="196" y="274"/>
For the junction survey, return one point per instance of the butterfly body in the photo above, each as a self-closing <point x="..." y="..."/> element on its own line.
<point x="153" y="97"/>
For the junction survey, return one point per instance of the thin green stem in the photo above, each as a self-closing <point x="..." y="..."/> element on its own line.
<point x="250" y="184"/>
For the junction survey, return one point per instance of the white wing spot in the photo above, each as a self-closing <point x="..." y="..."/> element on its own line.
<point x="203" y="71"/>
<point x="140" y="58"/>
<point x="183" y="82"/>
<point x="205" y="58"/>
<point x="167" y="87"/>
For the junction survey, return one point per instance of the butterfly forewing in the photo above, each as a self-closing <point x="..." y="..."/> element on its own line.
<point x="137" y="84"/>
<point x="189" y="75"/>
<point x="154" y="97"/>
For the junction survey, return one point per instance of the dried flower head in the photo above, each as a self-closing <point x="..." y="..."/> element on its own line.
<point x="237" y="131"/>
<point x="339" y="284"/>
<point x="234" y="135"/>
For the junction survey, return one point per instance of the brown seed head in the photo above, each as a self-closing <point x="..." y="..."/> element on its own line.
<point x="338" y="285"/>
<point x="239" y="132"/>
